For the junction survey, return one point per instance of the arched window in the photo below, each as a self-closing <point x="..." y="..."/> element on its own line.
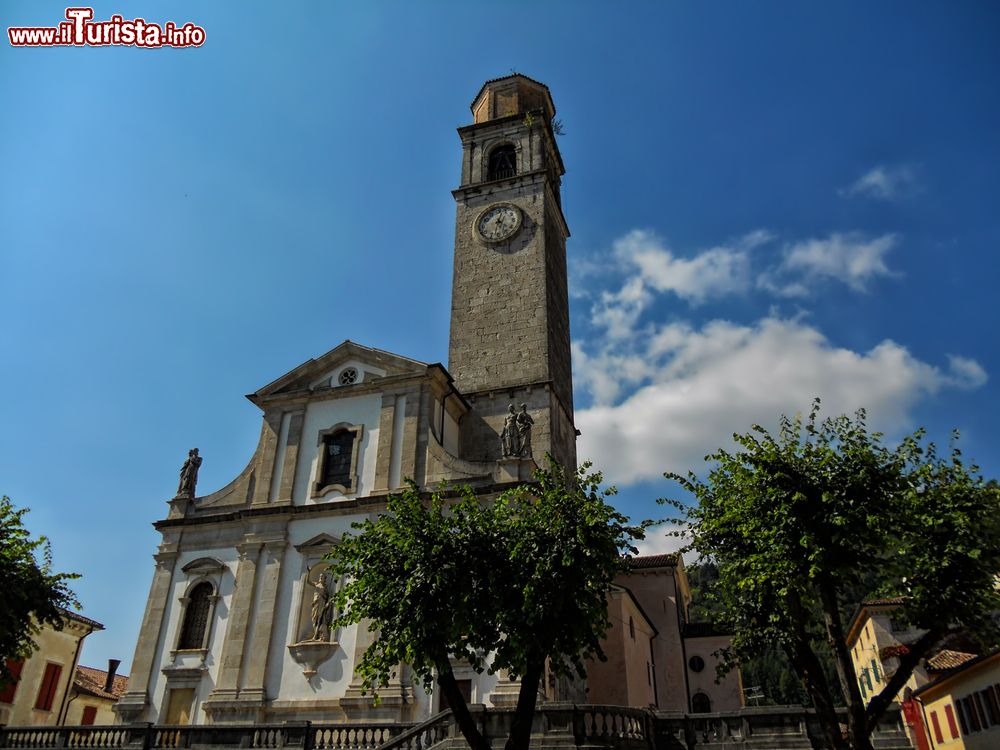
<point x="338" y="448"/>
<point x="701" y="704"/>
<point x="196" y="617"/>
<point x="503" y="163"/>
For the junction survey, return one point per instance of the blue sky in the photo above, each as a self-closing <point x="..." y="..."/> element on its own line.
<point x="768" y="202"/>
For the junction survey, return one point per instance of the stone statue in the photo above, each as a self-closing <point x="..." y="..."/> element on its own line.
<point x="189" y="474"/>
<point x="524" y="423"/>
<point x="322" y="608"/>
<point x="510" y="443"/>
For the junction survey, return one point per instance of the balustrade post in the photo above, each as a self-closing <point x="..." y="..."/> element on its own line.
<point x="295" y="734"/>
<point x="579" y="732"/>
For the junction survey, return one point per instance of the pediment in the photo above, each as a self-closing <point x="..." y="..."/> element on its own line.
<point x="331" y="370"/>
<point x="204" y="565"/>
<point x="322" y="541"/>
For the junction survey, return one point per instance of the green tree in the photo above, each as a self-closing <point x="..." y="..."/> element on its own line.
<point x="798" y="524"/>
<point x="31" y="594"/>
<point x="506" y="583"/>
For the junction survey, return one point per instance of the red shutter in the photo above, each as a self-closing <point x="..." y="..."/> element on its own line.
<point x="7" y="692"/>
<point x="950" y="715"/>
<point x="89" y="715"/>
<point x="937" y="727"/>
<point x="50" y="683"/>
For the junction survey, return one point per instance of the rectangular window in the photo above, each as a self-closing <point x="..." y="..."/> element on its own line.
<point x="994" y="696"/>
<point x="950" y="715"/>
<point x="47" y="691"/>
<point x="971" y="718"/>
<point x="937" y="727"/>
<point x="89" y="716"/>
<point x="988" y="701"/>
<point x="875" y="671"/>
<point x="7" y="691"/>
<point x="978" y="706"/>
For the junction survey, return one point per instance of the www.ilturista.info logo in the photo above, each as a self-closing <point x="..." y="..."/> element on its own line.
<point x="80" y="30"/>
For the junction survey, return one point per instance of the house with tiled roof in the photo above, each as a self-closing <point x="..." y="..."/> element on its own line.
<point x="94" y="694"/>
<point x="42" y="687"/>
<point x="960" y="709"/>
<point x="876" y="638"/>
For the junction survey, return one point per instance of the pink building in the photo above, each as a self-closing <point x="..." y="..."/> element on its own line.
<point x="656" y="656"/>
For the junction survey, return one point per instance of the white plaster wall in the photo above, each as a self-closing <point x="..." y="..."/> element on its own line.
<point x="364" y="410"/>
<point x="284" y="680"/>
<point x="168" y="634"/>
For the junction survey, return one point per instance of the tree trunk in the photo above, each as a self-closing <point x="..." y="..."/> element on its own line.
<point x="857" y="721"/>
<point x="907" y="662"/>
<point x="467" y="725"/>
<point x="810" y="672"/>
<point x="524" y="714"/>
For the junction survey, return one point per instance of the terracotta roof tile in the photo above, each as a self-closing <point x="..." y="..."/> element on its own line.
<point x="92" y="681"/>
<point x="653" y="561"/>
<point x="947" y="659"/>
<point x="884" y="601"/>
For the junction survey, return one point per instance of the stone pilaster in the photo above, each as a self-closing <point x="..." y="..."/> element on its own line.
<point x="256" y="668"/>
<point x="266" y="457"/>
<point x="411" y="426"/>
<point x="134" y="703"/>
<point x="385" y="433"/>
<point x="291" y="457"/>
<point x="393" y="703"/>
<point x="231" y="661"/>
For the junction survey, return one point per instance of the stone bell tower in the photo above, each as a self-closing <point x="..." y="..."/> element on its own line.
<point x="510" y="308"/>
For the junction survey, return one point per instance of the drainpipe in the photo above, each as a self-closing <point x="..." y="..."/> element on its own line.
<point x="64" y="706"/>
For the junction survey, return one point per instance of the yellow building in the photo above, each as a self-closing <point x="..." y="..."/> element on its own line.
<point x="40" y="693"/>
<point x="874" y="638"/>
<point x="94" y="694"/>
<point x="961" y="708"/>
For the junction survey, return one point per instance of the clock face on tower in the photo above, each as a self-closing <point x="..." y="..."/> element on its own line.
<point x="499" y="222"/>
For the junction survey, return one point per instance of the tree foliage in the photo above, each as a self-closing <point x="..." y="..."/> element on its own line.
<point x="769" y="670"/>
<point x="801" y="523"/>
<point x="504" y="583"/>
<point x="31" y="594"/>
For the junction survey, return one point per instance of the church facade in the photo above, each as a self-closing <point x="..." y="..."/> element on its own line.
<point x="236" y="626"/>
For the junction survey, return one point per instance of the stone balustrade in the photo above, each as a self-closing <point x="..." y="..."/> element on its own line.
<point x="557" y="726"/>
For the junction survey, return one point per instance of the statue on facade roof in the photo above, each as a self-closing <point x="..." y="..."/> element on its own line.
<point x="524" y="425"/>
<point x="510" y="443"/>
<point x="189" y="474"/>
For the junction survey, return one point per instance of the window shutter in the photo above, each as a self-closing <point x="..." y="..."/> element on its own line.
<point x="89" y="716"/>
<point x="47" y="691"/>
<point x="937" y="727"/>
<point x="7" y="692"/>
<point x="949" y="713"/>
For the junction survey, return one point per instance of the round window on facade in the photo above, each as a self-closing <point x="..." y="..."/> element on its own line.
<point x="696" y="663"/>
<point x="348" y="376"/>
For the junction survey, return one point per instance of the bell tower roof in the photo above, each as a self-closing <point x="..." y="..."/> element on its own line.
<point x="515" y="94"/>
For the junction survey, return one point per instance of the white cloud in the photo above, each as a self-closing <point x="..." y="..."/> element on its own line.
<point x="706" y="383"/>
<point x="657" y="541"/>
<point x="665" y="395"/>
<point x="853" y="259"/>
<point x="884" y="183"/>
<point x="714" y="272"/>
